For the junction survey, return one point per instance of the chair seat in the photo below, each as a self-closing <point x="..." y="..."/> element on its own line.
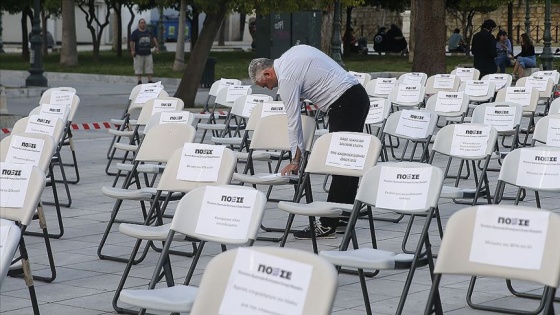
<point x="227" y="140"/>
<point x="457" y="119"/>
<point x="121" y="133"/>
<point x="457" y="192"/>
<point x="116" y="121"/>
<point x="129" y="194"/>
<point x="126" y="147"/>
<point x="211" y="126"/>
<point x="367" y="258"/>
<point x="257" y="155"/>
<point x="201" y="115"/>
<point x="264" y="178"/>
<point x="316" y="208"/>
<point x="142" y="168"/>
<point x="177" y="299"/>
<point x="145" y="232"/>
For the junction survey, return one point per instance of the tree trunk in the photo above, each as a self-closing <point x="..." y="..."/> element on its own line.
<point x="179" y="63"/>
<point x="195" y="67"/>
<point x="326" y="30"/>
<point x="27" y="12"/>
<point x="97" y="30"/>
<point x="429" y="50"/>
<point x="194" y="26"/>
<point x="222" y="33"/>
<point x="118" y="13"/>
<point x="129" y="25"/>
<point x="69" y="48"/>
<point x="412" y="41"/>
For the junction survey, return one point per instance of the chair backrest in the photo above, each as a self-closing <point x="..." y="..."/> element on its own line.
<point x="448" y="142"/>
<point x="243" y="105"/>
<point x="322" y="156"/>
<point x="24" y="214"/>
<point x="162" y="140"/>
<point x="509" y="95"/>
<point x="223" y="97"/>
<point x="413" y="78"/>
<point x="448" y="104"/>
<point x="544" y="85"/>
<point x="46" y="99"/>
<point x="399" y="180"/>
<point x="458" y="254"/>
<point x="140" y="102"/>
<point x="156" y="119"/>
<point x="533" y="168"/>
<point x="159" y="104"/>
<point x="362" y="77"/>
<point x="9" y="241"/>
<point x="381" y="87"/>
<point x="465" y="74"/>
<point x="554" y="107"/>
<point x="442" y="82"/>
<point x="47" y="109"/>
<point x="271" y="133"/>
<point x="169" y="181"/>
<point x="477" y="90"/>
<point x="501" y="80"/>
<point x="222" y="83"/>
<point x="378" y="115"/>
<point x="21" y="126"/>
<point x="213" y="288"/>
<point x="546" y="131"/>
<point x="193" y="209"/>
<point x="24" y="146"/>
<point x="407" y="95"/>
<point x="399" y="117"/>
<point x="499" y="115"/>
<point x="553" y="74"/>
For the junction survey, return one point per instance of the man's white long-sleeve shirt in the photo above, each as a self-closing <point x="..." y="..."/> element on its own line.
<point x="306" y="72"/>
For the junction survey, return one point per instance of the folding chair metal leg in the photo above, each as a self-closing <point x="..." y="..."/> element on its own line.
<point x="28" y="276"/>
<point x="74" y="163"/>
<point x="434" y="301"/>
<point x="57" y="160"/>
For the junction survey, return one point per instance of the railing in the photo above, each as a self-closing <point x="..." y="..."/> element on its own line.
<point x="536" y="33"/>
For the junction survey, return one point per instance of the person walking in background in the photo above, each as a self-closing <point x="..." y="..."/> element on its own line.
<point x="306" y="72"/>
<point x="504" y="51"/>
<point x="141" y="41"/>
<point x="456" y="42"/>
<point x="484" y="48"/>
<point x="526" y="58"/>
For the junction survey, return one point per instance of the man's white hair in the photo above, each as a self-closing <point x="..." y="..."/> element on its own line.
<point x="257" y="66"/>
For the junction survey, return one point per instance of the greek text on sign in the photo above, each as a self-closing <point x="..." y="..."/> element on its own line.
<point x="360" y="76"/>
<point x="164" y="106"/>
<point x="465" y="74"/>
<point x="61" y="97"/>
<point x="60" y="111"/>
<point x="412" y="78"/>
<point x="41" y="124"/>
<point x="539" y="168"/>
<point x="236" y="91"/>
<point x="413" y="124"/>
<point x="224" y="83"/>
<point x="376" y="110"/>
<point x="444" y="81"/>
<point x="383" y="86"/>
<point x="553" y="133"/>
<point x="200" y="162"/>
<point x="14" y="180"/>
<point x="470" y="140"/>
<point x="226" y="212"/>
<point x="181" y="117"/>
<point x="552" y="74"/>
<point x="260" y="283"/>
<point x="499" y="80"/>
<point x="448" y="102"/>
<point x="477" y="87"/>
<point x="25" y="150"/>
<point x="409" y="94"/>
<point x="273" y="108"/>
<point x="538" y="82"/>
<point x="519" y="95"/>
<point x="250" y="103"/>
<point x="148" y="92"/>
<point x="403" y="188"/>
<point x="348" y="151"/>
<point x="500" y="117"/>
<point x="509" y="238"/>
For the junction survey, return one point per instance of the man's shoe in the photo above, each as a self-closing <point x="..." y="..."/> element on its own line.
<point x="139" y="82"/>
<point x="341" y="228"/>
<point x="321" y="232"/>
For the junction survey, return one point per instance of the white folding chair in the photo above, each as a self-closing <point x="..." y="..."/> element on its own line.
<point x="465" y="74"/>
<point x="407" y="96"/>
<point x="189" y="221"/>
<point x="554" y="107"/>
<point x="442" y="82"/>
<point x="362" y="77"/>
<point x="452" y="106"/>
<point x="382" y="187"/>
<point x="412" y="78"/>
<point x="215" y="292"/>
<point x="380" y="87"/>
<point x="464" y="251"/>
<point x="479" y="91"/>
<point x="545" y="131"/>
<point x="528" y="98"/>
<point x="501" y="80"/>
<point x="379" y="110"/>
<point x="544" y="84"/>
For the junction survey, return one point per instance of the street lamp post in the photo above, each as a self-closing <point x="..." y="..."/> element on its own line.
<point x="36" y="70"/>
<point x="335" y="39"/>
<point x="1" y="41"/>
<point x="527" y="18"/>
<point x="546" y="56"/>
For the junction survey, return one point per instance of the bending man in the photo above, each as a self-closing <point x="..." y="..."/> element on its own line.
<point x="306" y="72"/>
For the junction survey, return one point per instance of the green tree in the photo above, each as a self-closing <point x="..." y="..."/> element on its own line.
<point x="15" y="7"/>
<point x="95" y="23"/>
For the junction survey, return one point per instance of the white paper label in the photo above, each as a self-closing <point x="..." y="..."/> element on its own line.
<point x="200" y="162"/>
<point x="413" y="124"/>
<point x="273" y="108"/>
<point x="264" y="284"/>
<point x="413" y="78"/>
<point x="164" y="106"/>
<point x="553" y="75"/>
<point x="540" y="83"/>
<point x="59" y="97"/>
<point x="383" y="86"/>
<point x="477" y="87"/>
<point x="348" y="151"/>
<point x="250" y="103"/>
<point x="60" y="111"/>
<point x="360" y="76"/>
<point x="509" y="238"/>
<point x="539" y="168"/>
<point x="403" y="188"/>
<point x="553" y="134"/>
<point x="444" y="81"/>
<point x="519" y="95"/>
<point x="224" y="83"/>
<point x="226" y="212"/>
<point x="376" y="110"/>
<point x="25" y="150"/>
<point x="236" y="91"/>
<point x="39" y="124"/>
<point x="500" y="117"/>
<point x="409" y="94"/>
<point x="499" y="80"/>
<point x="447" y="102"/>
<point x="14" y="180"/>
<point x="174" y="117"/>
<point x="148" y="92"/>
<point x="469" y="140"/>
<point x="465" y="74"/>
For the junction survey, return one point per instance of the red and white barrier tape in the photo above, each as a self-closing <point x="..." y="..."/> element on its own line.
<point x="80" y="126"/>
<point x="311" y="108"/>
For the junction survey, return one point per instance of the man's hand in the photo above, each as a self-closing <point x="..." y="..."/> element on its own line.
<point x="289" y="169"/>
<point x="133" y="54"/>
